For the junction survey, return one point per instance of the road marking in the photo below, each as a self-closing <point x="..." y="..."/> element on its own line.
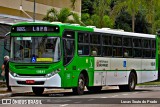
<point x="135" y="92"/>
<point x="145" y="91"/>
<point x="125" y="94"/>
<point x="90" y="99"/>
<point x="114" y="96"/>
<point x="64" y="105"/>
<point x="77" y="102"/>
<point x="104" y="97"/>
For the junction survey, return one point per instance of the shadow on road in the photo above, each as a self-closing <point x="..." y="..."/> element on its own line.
<point x="66" y="94"/>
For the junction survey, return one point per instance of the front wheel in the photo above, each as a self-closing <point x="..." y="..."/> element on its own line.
<point x="38" y="90"/>
<point x="81" y="85"/>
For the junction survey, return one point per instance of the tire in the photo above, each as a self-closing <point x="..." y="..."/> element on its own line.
<point x="38" y="90"/>
<point x="94" y="88"/>
<point x="81" y="85"/>
<point x="132" y="81"/>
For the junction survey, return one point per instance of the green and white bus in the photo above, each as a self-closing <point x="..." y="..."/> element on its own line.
<point x="58" y="55"/>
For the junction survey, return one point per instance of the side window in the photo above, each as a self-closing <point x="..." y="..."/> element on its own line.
<point x="153" y="48"/>
<point x="107" y="45"/>
<point x="83" y="43"/>
<point x="147" y="48"/>
<point x="137" y="47"/>
<point x="127" y="47"/>
<point x="117" y="46"/>
<point x="68" y="46"/>
<point x="95" y="47"/>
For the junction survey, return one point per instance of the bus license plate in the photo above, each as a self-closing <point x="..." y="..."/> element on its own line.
<point x="30" y="81"/>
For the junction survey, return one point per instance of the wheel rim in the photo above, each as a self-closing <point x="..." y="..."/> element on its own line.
<point x="81" y="84"/>
<point x="132" y="83"/>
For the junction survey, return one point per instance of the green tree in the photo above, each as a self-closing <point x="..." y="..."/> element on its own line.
<point x="152" y="8"/>
<point x="62" y="16"/>
<point x="131" y="6"/>
<point x="101" y="8"/>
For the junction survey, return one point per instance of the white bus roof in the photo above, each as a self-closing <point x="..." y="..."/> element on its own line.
<point x="112" y="31"/>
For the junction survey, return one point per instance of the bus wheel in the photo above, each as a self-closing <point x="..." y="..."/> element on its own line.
<point x="131" y="83"/>
<point x="94" y="88"/>
<point x="81" y="85"/>
<point x="38" y="90"/>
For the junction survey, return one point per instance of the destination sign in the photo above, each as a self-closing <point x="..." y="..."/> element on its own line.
<point x="35" y="29"/>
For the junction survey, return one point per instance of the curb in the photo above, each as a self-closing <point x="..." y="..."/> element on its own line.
<point x="148" y="86"/>
<point x="5" y="95"/>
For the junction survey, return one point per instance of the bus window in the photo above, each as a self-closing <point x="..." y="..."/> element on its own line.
<point x="106" y="40"/>
<point x="68" y="46"/>
<point x="117" y="41"/>
<point x="153" y="44"/>
<point x="83" y="43"/>
<point x="127" y="52"/>
<point x="137" y="42"/>
<point x="146" y="43"/>
<point x="127" y="42"/>
<point x="95" y="50"/>
<point x="107" y="51"/>
<point x="117" y="52"/>
<point x="147" y="53"/>
<point x="137" y="52"/>
<point x="83" y="49"/>
<point x="83" y="38"/>
<point x="95" y="38"/>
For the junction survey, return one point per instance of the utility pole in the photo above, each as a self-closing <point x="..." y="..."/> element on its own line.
<point x="34" y="13"/>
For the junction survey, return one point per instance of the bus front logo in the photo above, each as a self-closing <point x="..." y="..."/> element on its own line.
<point x="40" y="71"/>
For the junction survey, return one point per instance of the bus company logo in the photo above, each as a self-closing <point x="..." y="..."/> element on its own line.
<point x="101" y="63"/>
<point x="40" y="71"/>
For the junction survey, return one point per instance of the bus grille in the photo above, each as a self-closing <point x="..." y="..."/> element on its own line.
<point x="33" y="75"/>
<point x="31" y="66"/>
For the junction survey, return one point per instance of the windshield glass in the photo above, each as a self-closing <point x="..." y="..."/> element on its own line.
<point x="41" y="49"/>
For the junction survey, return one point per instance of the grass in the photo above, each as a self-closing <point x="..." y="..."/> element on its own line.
<point x="157" y="82"/>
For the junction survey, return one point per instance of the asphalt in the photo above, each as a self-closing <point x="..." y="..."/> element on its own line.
<point x="24" y="90"/>
<point x="28" y="90"/>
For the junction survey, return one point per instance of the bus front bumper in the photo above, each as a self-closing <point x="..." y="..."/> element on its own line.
<point x="54" y="81"/>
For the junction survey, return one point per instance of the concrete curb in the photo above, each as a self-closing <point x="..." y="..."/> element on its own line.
<point x="148" y="86"/>
<point x="5" y="95"/>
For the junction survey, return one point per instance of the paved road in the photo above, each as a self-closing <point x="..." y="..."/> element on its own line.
<point x="143" y="97"/>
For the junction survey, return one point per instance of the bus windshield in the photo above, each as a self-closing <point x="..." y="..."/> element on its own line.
<point x="43" y="49"/>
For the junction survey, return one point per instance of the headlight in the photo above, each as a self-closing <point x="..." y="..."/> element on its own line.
<point x="14" y="74"/>
<point x="52" y="73"/>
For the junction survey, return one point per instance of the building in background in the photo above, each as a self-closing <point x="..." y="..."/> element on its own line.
<point x="13" y="11"/>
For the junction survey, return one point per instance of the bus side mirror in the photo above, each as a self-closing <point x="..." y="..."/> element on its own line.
<point x="7" y="42"/>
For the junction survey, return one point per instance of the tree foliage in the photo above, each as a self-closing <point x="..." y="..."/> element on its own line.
<point x="141" y="16"/>
<point x="64" y="16"/>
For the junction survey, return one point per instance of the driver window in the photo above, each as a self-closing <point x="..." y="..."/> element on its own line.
<point x="68" y="46"/>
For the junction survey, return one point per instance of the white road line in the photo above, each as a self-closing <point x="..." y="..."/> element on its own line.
<point x="145" y="91"/>
<point x="125" y="94"/>
<point x="90" y="99"/>
<point x="77" y="102"/>
<point x="104" y="97"/>
<point x="64" y="105"/>
<point x="114" y="96"/>
<point x="135" y="92"/>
